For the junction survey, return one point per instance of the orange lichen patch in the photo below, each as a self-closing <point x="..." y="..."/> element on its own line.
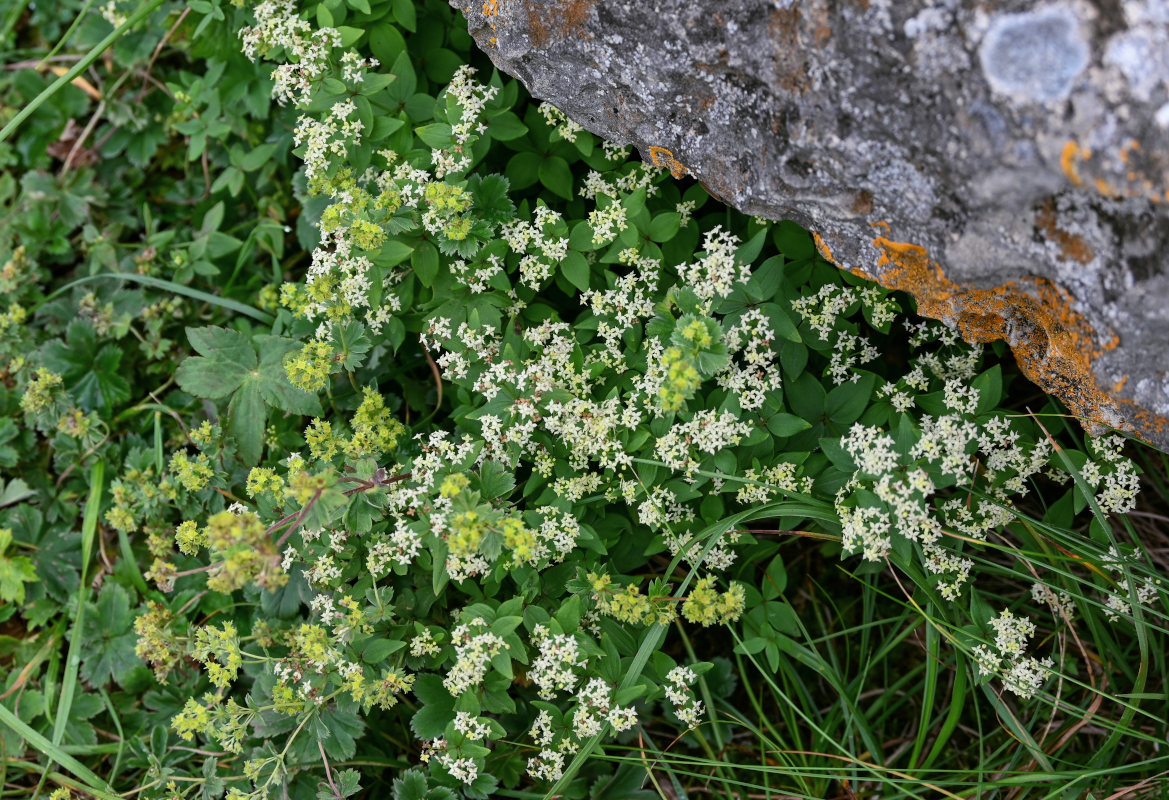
<point x="552" y="22"/>
<point x="1053" y="344"/>
<point x="1126" y="150"/>
<point x="1146" y="422"/>
<point x="1071" y="246"/>
<point x="491" y="8"/>
<point x="1116" y="387"/>
<point x="1105" y="188"/>
<point x="822" y="248"/>
<point x="662" y="157"/>
<point x="1067" y="160"/>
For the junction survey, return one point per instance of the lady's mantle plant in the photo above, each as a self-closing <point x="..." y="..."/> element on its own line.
<point x="621" y="393"/>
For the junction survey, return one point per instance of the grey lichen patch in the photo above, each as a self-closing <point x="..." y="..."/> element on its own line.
<point x="1036" y="55"/>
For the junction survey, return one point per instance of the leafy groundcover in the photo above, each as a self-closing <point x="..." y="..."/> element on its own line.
<point x="372" y="430"/>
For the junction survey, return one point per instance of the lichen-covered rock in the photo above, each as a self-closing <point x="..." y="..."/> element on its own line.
<point x="1004" y="161"/>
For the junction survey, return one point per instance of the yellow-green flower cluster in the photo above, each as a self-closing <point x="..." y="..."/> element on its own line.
<point x="136" y="493"/>
<point x="76" y="423"/>
<point x="698" y="332"/>
<point x="706" y="605"/>
<point x="453" y="485"/>
<point x="375" y="430"/>
<point x="466" y="531"/>
<point x="682" y="379"/>
<point x="218" y="650"/>
<point x="226" y="725"/>
<point x="627" y="604"/>
<point x="43" y="388"/>
<point x="248" y="553"/>
<point x="193" y="473"/>
<point x="520" y="539"/>
<point x="157" y="644"/>
<point x="322" y="442"/>
<point x="303" y="486"/>
<point x="385" y="691"/>
<point x="13" y="317"/>
<point x="265" y="481"/>
<point x="189" y="538"/>
<point x="204" y="435"/>
<point x="309" y="368"/>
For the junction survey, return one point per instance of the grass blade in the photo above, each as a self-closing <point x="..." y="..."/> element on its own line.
<point x="73" y="661"/>
<point x="93" y="784"/>
<point x="177" y="288"/>
<point x="81" y="66"/>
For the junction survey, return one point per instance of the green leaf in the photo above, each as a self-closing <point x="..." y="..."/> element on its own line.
<point x="14" y="492"/>
<point x="425" y="263"/>
<point x="523" y="169"/>
<point x="90" y="373"/>
<point x="556" y="176"/>
<point x="495" y="480"/>
<point x="848" y="401"/>
<point x="350" y="35"/>
<point x="404" y="14"/>
<point x="505" y="127"/>
<point x="15" y="572"/>
<point x="492" y="202"/>
<point x="787" y="424"/>
<point x="228" y="359"/>
<point x="247" y="419"/>
<point x="665" y="226"/>
<point x="109" y="639"/>
<point x="273" y="380"/>
<point x="436" y="135"/>
<point x="378" y="650"/>
<point x="576" y="269"/>
<point x="438" y="708"/>
<point x="990" y="389"/>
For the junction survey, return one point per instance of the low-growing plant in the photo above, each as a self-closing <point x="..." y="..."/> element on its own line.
<point x="506" y="464"/>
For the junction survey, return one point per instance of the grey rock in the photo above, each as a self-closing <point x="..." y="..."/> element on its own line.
<point x="1004" y="161"/>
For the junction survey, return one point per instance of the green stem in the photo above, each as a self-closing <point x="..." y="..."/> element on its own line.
<point x="143" y="11"/>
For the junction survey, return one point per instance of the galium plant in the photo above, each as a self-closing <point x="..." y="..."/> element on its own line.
<point x="514" y="457"/>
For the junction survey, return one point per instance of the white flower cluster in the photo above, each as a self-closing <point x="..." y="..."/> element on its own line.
<point x="640" y="176"/>
<point x="559" y="120"/>
<point x="607" y="222"/>
<point x="279" y="28"/>
<point x="768" y="481"/>
<point x="594" y="708"/>
<point x="555" y="668"/>
<point x="718" y="270"/>
<point x="474" y="649"/>
<point x="1061" y="603"/>
<point x="537" y="244"/>
<point x="472" y="98"/>
<point x="462" y="768"/>
<point x="708" y="431"/>
<point x="822" y="309"/>
<point x="687" y="707"/>
<point x="753" y="369"/>
<point x="951" y="443"/>
<point x="1117" y="473"/>
<point x="630" y="301"/>
<point x="1022" y="675"/>
<point x="1120" y="605"/>
<point x="398" y="549"/>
